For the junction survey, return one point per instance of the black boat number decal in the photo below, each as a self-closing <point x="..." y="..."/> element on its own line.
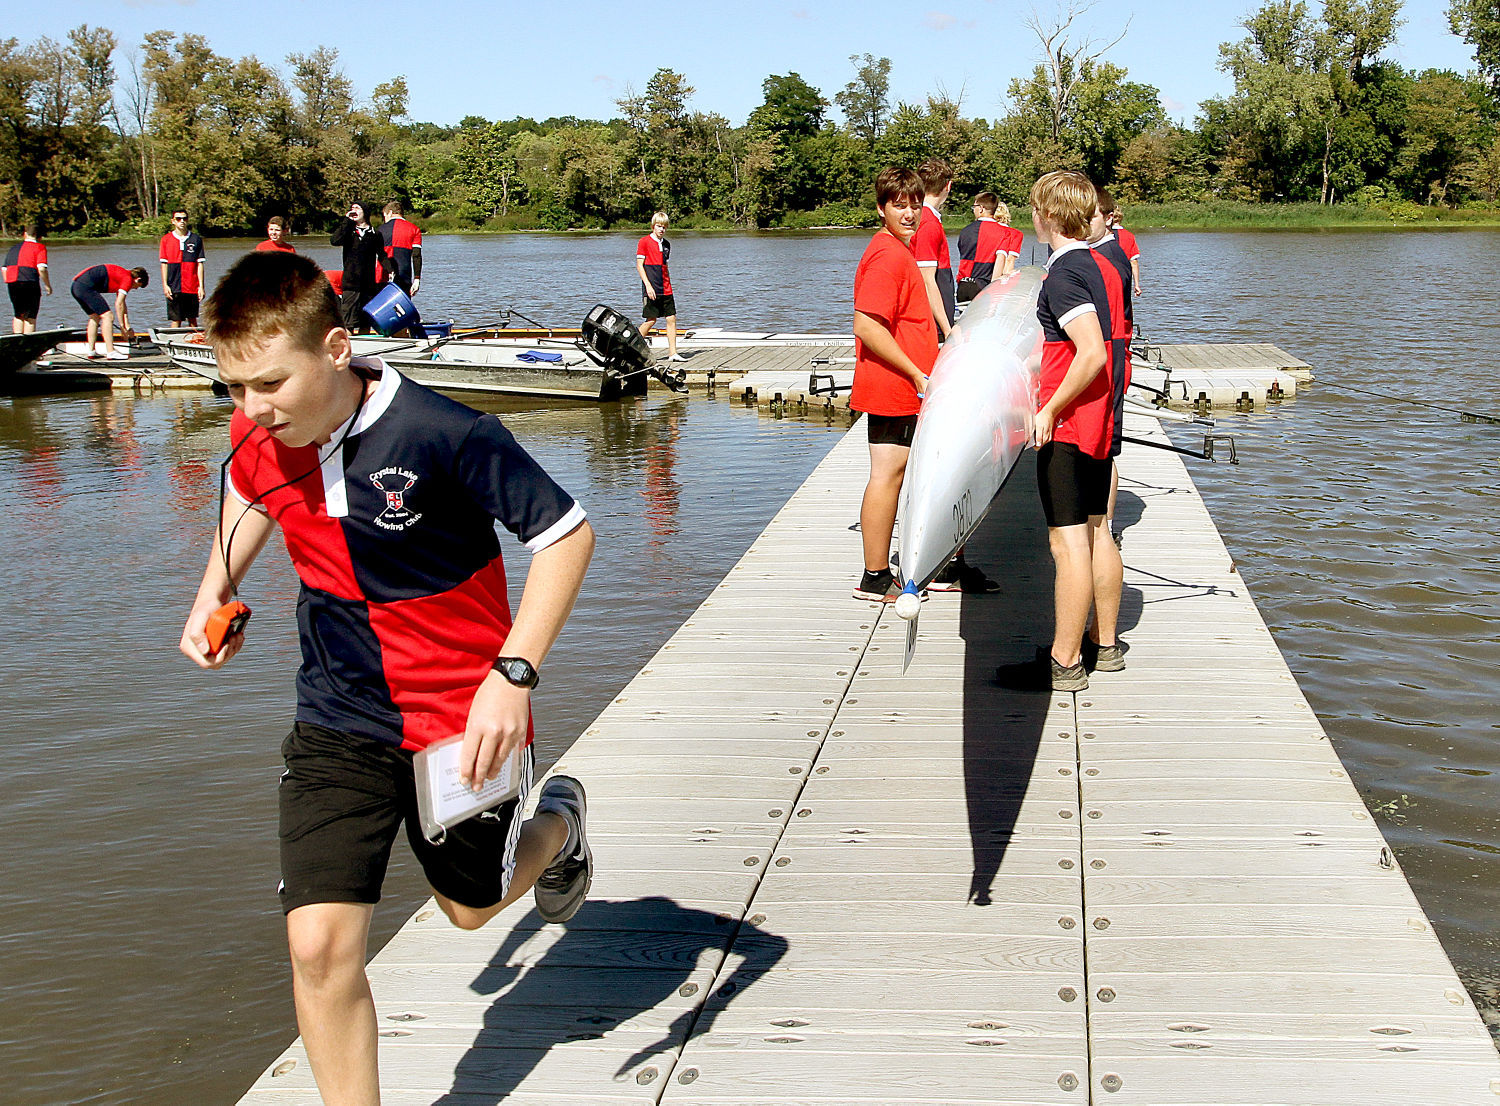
<point x="963" y="515"/>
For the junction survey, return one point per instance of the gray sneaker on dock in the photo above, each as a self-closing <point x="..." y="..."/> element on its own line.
<point x="561" y="889"/>
<point x="1103" y="658"/>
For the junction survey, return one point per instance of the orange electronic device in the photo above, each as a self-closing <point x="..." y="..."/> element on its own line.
<point x="224" y="623"/>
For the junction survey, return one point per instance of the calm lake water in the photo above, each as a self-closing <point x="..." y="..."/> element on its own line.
<point x="143" y="950"/>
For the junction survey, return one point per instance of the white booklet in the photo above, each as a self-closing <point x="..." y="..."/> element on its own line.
<point x="444" y="800"/>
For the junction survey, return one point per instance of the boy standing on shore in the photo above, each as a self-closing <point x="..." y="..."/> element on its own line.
<point x="387" y="494"/>
<point x="1072" y="433"/>
<point x="895" y="345"/>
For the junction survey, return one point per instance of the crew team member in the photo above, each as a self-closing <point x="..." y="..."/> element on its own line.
<point x="25" y="277"/>
<point x="182" y="270"/>
<point x="88" y="291"/>
<point x="276" y="236"/>
<point x="402" y="241"/>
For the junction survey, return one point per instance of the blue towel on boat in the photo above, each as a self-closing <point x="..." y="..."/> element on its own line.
<point x="537" y="355"/>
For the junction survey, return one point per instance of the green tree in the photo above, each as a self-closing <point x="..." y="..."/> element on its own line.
<point x="865" y="101"/>
<point x="1477" y="22"/>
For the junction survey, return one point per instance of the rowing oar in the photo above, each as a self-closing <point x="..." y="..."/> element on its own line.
<point x="1208" y="447"/>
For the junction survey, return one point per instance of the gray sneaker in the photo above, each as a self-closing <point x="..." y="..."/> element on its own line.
<point x="1103" y="658"/>
<point x="561" y="889"/>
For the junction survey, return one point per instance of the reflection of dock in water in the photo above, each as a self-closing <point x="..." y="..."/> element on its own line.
<point x="820" y="881"/>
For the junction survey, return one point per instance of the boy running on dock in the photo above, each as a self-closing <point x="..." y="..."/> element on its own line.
<point x="895" y="345"/>
<point x="387" y="494"/>
<point x="1072" y="434"/>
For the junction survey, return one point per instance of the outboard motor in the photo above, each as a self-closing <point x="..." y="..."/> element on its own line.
<point x="615" y="342"/>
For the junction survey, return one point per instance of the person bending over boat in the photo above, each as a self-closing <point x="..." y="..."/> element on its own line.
<point x="362" y="273"/>
<point x="89" y="288"/>
<point x="276" y="236"/>
<point x="25" y="277"/>
<point x="387" y="493"/>
<point x="895" y="345"/>
<point x="1072" y="432"/>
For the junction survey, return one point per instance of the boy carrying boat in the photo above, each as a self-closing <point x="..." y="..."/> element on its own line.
<point x="387" y="494"/>
<point x="1072" y="431"/>
<point x="895" y="345"/>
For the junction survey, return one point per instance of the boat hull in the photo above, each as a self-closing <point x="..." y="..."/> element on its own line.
<point x="19" y="350"/>
<point x="975" y="422"/>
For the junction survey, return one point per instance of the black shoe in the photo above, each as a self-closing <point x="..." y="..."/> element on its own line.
<point x="879" y="586"/>
<point x="1103" y="658"/>
<point x="561" y="889"/>
<point x="1042" y="673"/>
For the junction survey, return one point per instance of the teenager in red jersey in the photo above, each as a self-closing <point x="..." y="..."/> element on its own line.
<point x="182" y="270"/>
<point x="1073" y="428"/>
<point x="276" y="237"/>
<point x="930" y="244"/>
<point x="89" y="289"/>
<point x="652" y="254"/>
<point x="387" y="494"/>
<point x="895" y="345"/>
<point x="25" y="277"/>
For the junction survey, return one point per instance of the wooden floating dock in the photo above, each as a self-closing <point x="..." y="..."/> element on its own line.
<point x="823" y="882"/>
<point x="1203" y="376"/>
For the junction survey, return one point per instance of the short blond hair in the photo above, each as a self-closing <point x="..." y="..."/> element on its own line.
<point x="1002" y="211"/>
<point x="659" y="217"/>
<point x="1067" y="199"/>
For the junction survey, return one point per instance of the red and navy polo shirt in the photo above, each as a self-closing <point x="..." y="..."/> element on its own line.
<point x="1127" y="243"/>
<point x="106" y="278"/>
<point x="181" y="256"/>
<point x="1013" y="241"/>
<point x="978" y="245"/>
<point x="400" y="237"/>
<point x="22" y="261"/>
<point x="656" y="255"/>
<point x="1074" y="286"/>
<point x="403" y="607"/>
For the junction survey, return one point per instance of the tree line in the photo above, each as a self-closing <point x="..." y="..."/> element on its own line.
<point x="102" y="141"/>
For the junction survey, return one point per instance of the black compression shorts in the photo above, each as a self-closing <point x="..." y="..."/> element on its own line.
<point x="891" y="429"/>
<point x="1072" y="484"/>
<point x="343" y="798"/>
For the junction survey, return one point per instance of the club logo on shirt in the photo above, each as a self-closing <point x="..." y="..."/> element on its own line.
<point x="395" y="483"/>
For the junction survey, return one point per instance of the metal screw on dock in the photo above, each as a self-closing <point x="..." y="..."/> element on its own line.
<point x="646" y="1076"/>
<point x="1111" y="1083"/>
<point x="1101" y="923"/>
<point x="688" y="1076"/>
<point x="1106" y="994"/>
<point x="1068" y="1081"/>
<point x="1067" y="994"/>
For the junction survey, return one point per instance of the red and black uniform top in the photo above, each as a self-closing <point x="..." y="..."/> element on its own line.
<point x="1074" y="286"/>
<point x="106" y="278"/>
<point x="403" y="607"/>
<point x="270" y="244"/>
<point x="655" y="255"/>
<point x="1127" y="243"/>
<point x="1013" y="240"/>
<point x="181" y="256"/>
<point x="979" y="243"/>
<point x="1116" y="272"/>
<point x="22" y="261"/>
<point x="400" y="237"/>
<point x="930" y="247"/>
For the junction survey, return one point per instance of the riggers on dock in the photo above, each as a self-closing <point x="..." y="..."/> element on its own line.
<point x="823" y="882"/>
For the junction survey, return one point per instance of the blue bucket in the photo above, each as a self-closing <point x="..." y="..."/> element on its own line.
<point x="437" y="330"/>
<point x="392" y="310"/>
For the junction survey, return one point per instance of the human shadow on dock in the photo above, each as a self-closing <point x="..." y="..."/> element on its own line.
<point x="615" y="962"/>
<point x="1004" y="729"/>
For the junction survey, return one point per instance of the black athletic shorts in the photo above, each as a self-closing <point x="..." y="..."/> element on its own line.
<point x="25" y="299"/>
<point x="1073" y="484"/>
<point x="89" y="299"/>
<point x="342" y="799"/>
<point x="891" y="429"/>
<point x="182" y="306"/>
<point x="662" y="307"/>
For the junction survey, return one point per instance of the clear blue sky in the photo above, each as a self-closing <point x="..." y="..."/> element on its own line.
<point x="463" y="57"/>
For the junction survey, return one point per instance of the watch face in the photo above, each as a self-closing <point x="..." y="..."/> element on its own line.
<point x="518" y="671"/>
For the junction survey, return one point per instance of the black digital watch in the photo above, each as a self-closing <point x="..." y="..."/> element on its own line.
<point x="518" y="670"/>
